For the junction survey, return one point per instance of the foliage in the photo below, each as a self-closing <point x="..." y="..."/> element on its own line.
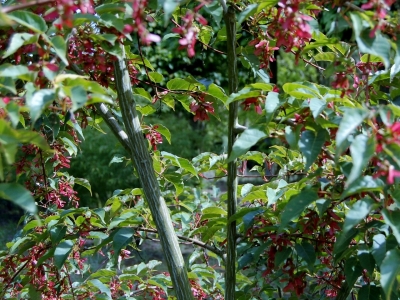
<point x="325" y="221"/>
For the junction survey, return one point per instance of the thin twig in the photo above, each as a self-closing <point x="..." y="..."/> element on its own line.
<point x="309" y="62"/>
<point x="14" y="276"/>
<point x="70" y="283"/>
<point x="192" y="241"/>
<point x="107" y="116"/>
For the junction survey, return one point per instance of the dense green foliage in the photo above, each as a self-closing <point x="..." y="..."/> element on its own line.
<point x="318" y="215"/>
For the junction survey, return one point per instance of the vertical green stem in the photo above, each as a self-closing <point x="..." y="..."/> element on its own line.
<point x="230" y="275"/>
<point x="143" y="163"/>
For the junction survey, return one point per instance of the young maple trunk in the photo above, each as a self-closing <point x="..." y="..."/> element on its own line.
<point x="230" y="273"/>
<point x="143" y="164"/>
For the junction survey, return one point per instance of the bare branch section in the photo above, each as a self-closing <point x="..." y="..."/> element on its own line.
<point x="143" y="163"/>
<point x="230" y="273"/>
<point x="108" y="117"/>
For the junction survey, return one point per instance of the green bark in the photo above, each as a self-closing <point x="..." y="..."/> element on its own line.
<point x="230" y="273"/>
<point x="143" y="164"/>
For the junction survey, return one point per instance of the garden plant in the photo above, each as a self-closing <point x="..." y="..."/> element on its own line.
<point x="323" y="219"/>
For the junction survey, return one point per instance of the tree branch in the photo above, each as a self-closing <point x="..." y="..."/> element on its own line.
<point x="143" y="164"/>
<point x="107" y="116"/>
<point x="232" y="182"/>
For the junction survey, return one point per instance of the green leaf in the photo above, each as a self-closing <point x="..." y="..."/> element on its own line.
<point x="34" y="293"/>
<point x="214" y="210"/>
<point x="248" y="219"/>
<point x="169" y="7"/>
<point x="362" y="149"/>
<point x="272" y="103"/>
<point x="322" y="205"/>
<point x="19" y="195"/>
<point x="363" y="184"/>
<point x="217" y="92"/>
<point x="377" y="45"/>
<point x="176" y="180"/>
<point x="306" y="251"/>
<point x="61" y="253"/>
<point x="243" y="94"/>
<point x="245" y="260"/>
<point x="292" y="136"/>
<point x="297" y="205"/>
<point x="395" y="69"/>
<point x="367" y="261"/>
<point x="19" y="39"/>
<point x="28" y="19"/>
<point x="156" y="77"/>
<point x="180" y="85"/>
<point x="121" y="238"/>
<point x="57" y="233"/>
<point x="352" y="118"/>
<point x="343" y="241"/>
<point x="110" y="8"/>
<point x="187" y="166"/>
<point x="352" y="271"/>
<point x="325" y="56"/>
<point x="300" y="90"/>
<point x="20" y="72"/>
<point x="53" y="121"/>
<point x="8" y="84"/>
<point x="392" y="218"/>
<point x="379" y="248"/>
<point x="85" y="183"/>
<point x="310" y="145"/>
<point x="164" y="131"/>
<point x="282" y="255"/>
<point x="244" y="211"/>
<point x="78" y="97"/>
<point x="102" y="288"/>
<point x="369" y="292"/>
<point x="249" y="11"/>
<point x="205" y="34"/>
<point x="37" y="103"/>
<point x="357" y="213"/>
<point x="245" y="141"/>
<point x="390" y="269"/>
<point x="60" y="48"/>
<point x="317" y="106"/>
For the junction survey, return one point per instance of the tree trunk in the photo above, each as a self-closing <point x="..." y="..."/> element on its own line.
<point x="143" y="164"/>
<point x="230" y="272"/>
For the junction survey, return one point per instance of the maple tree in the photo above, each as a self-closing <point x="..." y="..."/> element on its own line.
<point x="324" y="222"/>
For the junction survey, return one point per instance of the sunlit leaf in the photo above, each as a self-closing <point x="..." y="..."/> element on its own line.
<point x="30" y="20"/>
<point x="19" y="39"/>
<point x="245" y="141"/>
<point x="376" y="44"/>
